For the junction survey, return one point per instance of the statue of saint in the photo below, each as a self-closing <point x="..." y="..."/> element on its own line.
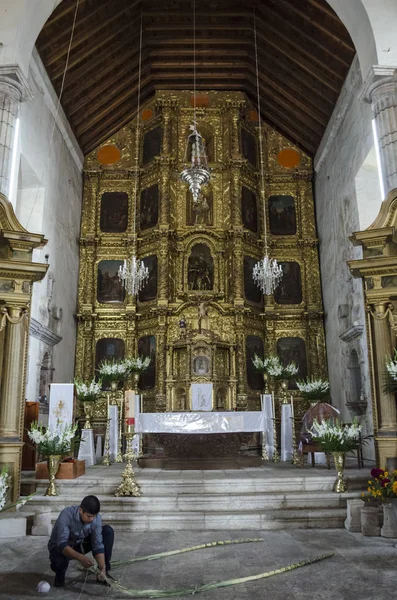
<point x="202" y="317"/>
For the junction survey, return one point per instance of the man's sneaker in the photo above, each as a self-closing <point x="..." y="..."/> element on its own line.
<point x="59" y="580"/>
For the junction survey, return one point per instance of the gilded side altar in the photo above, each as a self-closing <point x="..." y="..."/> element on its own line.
<point x="200" y="317"/>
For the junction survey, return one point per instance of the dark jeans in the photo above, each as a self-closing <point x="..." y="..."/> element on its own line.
<point x="60" y="563"/>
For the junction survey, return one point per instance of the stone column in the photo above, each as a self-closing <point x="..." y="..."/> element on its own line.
<point x="381" y="91"/>
<point x="13" y="90"/>
<point x="383" y="347"/>
<point x="15" y="320"/>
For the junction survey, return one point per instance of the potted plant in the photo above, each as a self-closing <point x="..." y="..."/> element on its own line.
<point x="53" y="444"/>
<point x="313" y="389"/>
<point x="113" y="371"/>
<point x="88" y="394"/>
<point x="382" y="487"/>
<point x="337" y="438"/>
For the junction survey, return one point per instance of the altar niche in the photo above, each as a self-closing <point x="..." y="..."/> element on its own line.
<point x="200" y="212"/>
<point x="200" y="268"/>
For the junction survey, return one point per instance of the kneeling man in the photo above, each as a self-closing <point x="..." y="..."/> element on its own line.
<point x="78" y="530"/>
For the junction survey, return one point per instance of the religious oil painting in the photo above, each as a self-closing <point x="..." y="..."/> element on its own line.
<point x="200" y="268"/>
<point x="293" y="349"/>
<point x="289" y="290"/>
<point x="201" y="365"/>
<point x="114" y="212"/>
<point x="147" y="348"/>
<point x="149" y="207"/>
<point x="282" y="215"/>
<point x="109" y="349"/>
<point x="254" y="345"/>
<point x="249" y="212"/>
<point x="252" y="292"/>
<point x="149" y="290"/>
<point x="249" y="147"/>
<point x="200" y="212"/>
<point x="109" y="286"/>
<point x="151" y="145"/>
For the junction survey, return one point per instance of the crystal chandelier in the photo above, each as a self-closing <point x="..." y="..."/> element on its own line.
<point x="267" y="273"/>
<point x="197" y="174"/>
<point x="133" y="274"/>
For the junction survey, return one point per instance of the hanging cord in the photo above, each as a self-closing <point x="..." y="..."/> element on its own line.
<point x="260" y="137"/>
<point x="137" y="130"/>
<point x="194" y="62"/>
<point x="58" y="103"/>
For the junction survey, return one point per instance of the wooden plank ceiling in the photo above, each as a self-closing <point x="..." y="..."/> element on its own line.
<point x="304" y="55"/>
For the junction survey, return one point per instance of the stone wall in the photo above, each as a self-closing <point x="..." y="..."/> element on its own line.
<point x="345" y="145"/>
<point x="48" y="201"/>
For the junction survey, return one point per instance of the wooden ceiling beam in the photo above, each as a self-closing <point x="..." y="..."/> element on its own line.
<point x="92" y="33"/>
<point x="342" y="41"/>
<point x="300" y="32"/>
<point x="297" y="53"/>
<point x="63" y="38"/>
<point x="98" y="43"/>
<point x="61" y="11"/>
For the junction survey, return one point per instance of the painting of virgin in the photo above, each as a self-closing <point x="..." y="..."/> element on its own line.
<point x="114" y="212"/>
<point x="109" y="287"/>
<point x="253" y="345"/>
<point x="200" y="268"/>
<point x="293" y="349"/>
<point x="248" y="147"/>
<point x="151" y="145"/>
<point x="251" y="291"/>
<point x="149" y="207"/>
<point x="147" y="347"/>
<point x="289" y="290"/>
<point x="149" y="291"/>
<point x="200" y="212"/>
<point x="282" y="216"/>
<point x="249" y="214"/>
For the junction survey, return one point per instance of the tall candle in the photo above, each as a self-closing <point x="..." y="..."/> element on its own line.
<point x="108" y="406"/>
<point x="273" y="407"/>
<point x="292" y="407"/>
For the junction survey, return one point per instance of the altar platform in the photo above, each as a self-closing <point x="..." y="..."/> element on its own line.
<point x="274" y="496"/>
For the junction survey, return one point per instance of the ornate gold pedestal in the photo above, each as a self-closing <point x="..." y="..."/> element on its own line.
<point x="128" y="487"/>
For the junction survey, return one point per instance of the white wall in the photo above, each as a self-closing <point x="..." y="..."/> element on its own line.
<point x="48" y="201"/>
<point x="342" y="152"/>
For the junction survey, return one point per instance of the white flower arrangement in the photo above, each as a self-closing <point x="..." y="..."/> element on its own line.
<point x="113" y="370"/>
<point x="334" y="436"/>
<point x="5" y="482"/>
<point x="136" y="365"/>
<point x="88" y="392"/>
<point x="273" y="367"/>
<point x="391" y="374"/>
<point x="313" y="389"/>
<point x="52" y="441"/>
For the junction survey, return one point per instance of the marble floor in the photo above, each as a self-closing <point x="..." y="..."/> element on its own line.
<point x="361" y="567"/>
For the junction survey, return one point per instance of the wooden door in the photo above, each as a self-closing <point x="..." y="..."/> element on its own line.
<point x="29" y="451"/>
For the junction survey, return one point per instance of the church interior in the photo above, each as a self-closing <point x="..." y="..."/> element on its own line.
<point x="200" y="184"/>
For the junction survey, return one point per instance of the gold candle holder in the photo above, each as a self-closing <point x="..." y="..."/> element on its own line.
<point x="119" y="457"/>
<point x="106" y="452"/>
<point x="284" y="390"/>
<point x="53" y="465"/>
<point x="128" y="486"/>
<point x="276" y="455"/>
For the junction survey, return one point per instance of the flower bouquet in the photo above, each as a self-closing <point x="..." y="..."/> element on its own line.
<point x="113" y="370"/>
<point x="382" y="485"/>
<point x="312" y="389"/>
<point x="52" y="442"/>
<point x="334" y="436"/>
<point x="272" y="366"/>
<point x="137" y="365"/>
<point x="88" y="392"/>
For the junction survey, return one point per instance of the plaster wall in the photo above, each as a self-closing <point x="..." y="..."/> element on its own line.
<point x="48" y="201"/>
<point x="346" y="143"/>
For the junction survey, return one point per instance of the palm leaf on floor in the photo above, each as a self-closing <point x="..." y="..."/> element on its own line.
<point x="119" y="563"/>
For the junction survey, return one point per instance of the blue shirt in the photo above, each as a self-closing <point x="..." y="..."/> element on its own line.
<point x="69" y="530"/>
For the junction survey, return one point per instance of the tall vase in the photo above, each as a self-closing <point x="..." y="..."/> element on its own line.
<point x="339" y="459"/>
<point x="88" y="411"/>
<point x="53" y="465"/>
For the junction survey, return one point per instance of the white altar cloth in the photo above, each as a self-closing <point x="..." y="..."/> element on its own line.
<point x="201" y="422"/>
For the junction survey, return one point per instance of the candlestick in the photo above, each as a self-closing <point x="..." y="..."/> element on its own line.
<point x="106" y="454"/>
<point x="128" y="487"/>
<point x="265" y="455"/>
<point x="119" y="457"/>
<point x="276" y="455"/>
<point x="295" y="455"/>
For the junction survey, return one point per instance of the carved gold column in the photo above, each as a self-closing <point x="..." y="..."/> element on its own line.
<point x="161" y="343"/>
<point x="17" y="275"/>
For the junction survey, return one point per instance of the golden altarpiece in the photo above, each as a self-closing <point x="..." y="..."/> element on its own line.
<point x="200" y="316"/>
